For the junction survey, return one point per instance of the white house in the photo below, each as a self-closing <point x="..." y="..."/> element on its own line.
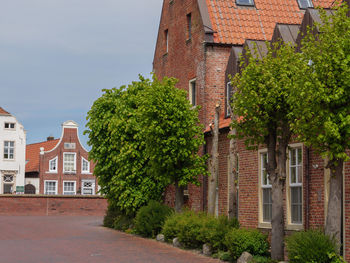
<point x="12" y="154"/>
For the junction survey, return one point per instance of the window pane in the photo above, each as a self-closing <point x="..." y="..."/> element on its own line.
<point x="296" y="204"/>
<point x="292" y="157"/>
<point x="293" y="175"/>
<point x="305" y="3"/>
<point x="245" y="2"/>
<point x="267" y="205"/>
<point x="299" y="155"/>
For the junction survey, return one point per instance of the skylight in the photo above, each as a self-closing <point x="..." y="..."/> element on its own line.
<point x="303" y="4"/>
<point x="245" y="2"/>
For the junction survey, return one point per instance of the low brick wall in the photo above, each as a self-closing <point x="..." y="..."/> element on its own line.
<point x="37" y="205"/>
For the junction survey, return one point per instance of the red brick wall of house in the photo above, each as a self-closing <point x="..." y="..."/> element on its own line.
<point x="70" y="135"/>
<point x="52" y="205"/>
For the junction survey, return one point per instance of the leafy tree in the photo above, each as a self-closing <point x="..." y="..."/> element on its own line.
<point x="144" y="138"/>
<point x="118" y="148"/>
<point x="322" y="101"/>
<point x="261" y="101"/>
<point x="172" y="136"/>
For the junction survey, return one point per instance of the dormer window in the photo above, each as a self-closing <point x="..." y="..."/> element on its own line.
<point x="303" y="4"/>
<point x="53" y="165"/>
<point x="245" y="2"/>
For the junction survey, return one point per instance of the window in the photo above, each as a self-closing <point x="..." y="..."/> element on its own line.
<point x="9" y="150"/>
<point x="69" y="187"/>
<point x="53" y="165"/>
<point x="245" y="2"/>
<point x="228" y="98"/>
<point x="303" y="4"/>
<point x="69" y="145"/>
<point x="266" y="190"/>
<point x="69" y="162"/>
<point x="88" y="187"/>
<point x="192" y="92"/>
<point x="295" y="183"/>
<point x="50" y="187"/>
<point x="189" y="26"/>
<point x="85" y="165"/>
<point x="8" y="184"/>
<point x="166" y="36"/>
<point x="9" y="125"/>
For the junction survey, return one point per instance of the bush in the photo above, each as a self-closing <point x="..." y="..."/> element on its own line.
<point x="195" y="229"/>
<point x="150" y="219"/>
<point x="123" y="222"/>
<point x="111" y="214"/>
<point x="116" y="219"/>
<point x="239" y="240"/>
<point x="311" y="246"/>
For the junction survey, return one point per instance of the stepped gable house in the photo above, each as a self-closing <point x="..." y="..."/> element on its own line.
<point x="60" y="166"/>
<point x="12" y="150"/>
<point x="200" y="42"/>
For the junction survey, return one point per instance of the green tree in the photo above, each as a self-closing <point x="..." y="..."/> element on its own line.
<point x="321" y="103"/>
<point x="261" y="101"/>
<point x="144" y="138"/>
<point x="173" y="136"/>
<point x="118" y="148"/>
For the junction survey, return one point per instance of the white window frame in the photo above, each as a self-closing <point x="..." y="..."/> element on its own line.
<point x="192" y="98"/>
<point x="309" y="3"/>
<point x="92" y="187"/>
<point x="75" y="163"/>
<point x="298" y="177"/>
<point x="82" y="166"/>
<point x="51" y="181"/>
<point x="69" y="192"/>
<point x="261" y="187"/>
<point x="9" y="148"/>
<point x="55" y="170"/>
<point x="9" y="128"/>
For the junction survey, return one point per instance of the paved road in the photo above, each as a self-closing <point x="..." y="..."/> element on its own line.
<point x="39" y="239"/>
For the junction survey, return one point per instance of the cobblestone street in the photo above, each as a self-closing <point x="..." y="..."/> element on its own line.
<point x="65" y="239"/>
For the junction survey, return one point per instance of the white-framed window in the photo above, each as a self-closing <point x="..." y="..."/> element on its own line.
<point x="192" y="94"/>
<point x="50" y="187"/>
<point x="9" y="125"/>
<point x="85" y="165"/>
<point x="266" y="190"/>
<point x="87" y="187"/>
<point x="69" y="187"/>
<point x="53" y="165"/>
<point x="9" y="150"/>
<point x="69" y="162"/>
<point x="303" y="4"/>
<point x="296" y="185"/>
<point x="8" y="181"/>
<point x="245" y="2"/>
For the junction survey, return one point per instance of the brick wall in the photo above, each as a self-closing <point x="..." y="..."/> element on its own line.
<point x="41" y="205"/>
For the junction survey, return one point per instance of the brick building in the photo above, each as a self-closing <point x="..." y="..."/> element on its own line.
<point x="199" y="42"/>
<point x="60" y="166"/>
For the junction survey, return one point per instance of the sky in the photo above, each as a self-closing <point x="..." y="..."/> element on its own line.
<point x="56" y="56"/>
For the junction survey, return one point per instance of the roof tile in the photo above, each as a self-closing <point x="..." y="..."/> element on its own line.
<point x="33" y="154"/>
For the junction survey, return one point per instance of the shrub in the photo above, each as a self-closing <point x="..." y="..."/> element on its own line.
<point x="195" y="229"/>
<point x="112" y="213"/>
<point x="123" y="222"/>
<point x="311" y="246"/>
<point x="150" y="219"/>
<point x="239" y="240"/>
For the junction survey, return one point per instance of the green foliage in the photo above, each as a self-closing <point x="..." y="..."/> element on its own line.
<point x="150" y="219"/>
<point x="311" y="246"/>
<point x="250" y="240"/>
<point x="117" y="219"/>
<point x="111" y="214"/>
<point x="142" y="138"/>
<point x="262" y="91"/>
<point x="321" y="102"/>
<point x="123" y="222"/>
<point x="262" y="259"/>
<point x="195" y="229"/>
<point x="223" y="255"/>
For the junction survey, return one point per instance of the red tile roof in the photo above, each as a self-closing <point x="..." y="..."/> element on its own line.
<point x="33" y="154"/>
<point x="234" y="24"/>
<point x="223" y="122"/>
<point x="3" y="112"/>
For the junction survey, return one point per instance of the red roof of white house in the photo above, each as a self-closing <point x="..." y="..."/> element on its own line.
<point x="33" y="154"/>
<point x="234" y="24"/>
<point x="3" y="112"/>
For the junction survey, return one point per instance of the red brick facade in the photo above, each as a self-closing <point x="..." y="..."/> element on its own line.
<point x="68" y="144"/>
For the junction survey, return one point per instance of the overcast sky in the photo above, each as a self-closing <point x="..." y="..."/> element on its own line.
<point x="57" y="55"/>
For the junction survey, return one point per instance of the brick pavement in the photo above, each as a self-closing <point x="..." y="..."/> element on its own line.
<point x="66" y="239"/>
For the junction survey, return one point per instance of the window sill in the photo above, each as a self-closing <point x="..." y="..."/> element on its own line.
<point x="295" y="227"/>
<point x="72" y="173"/>
<point x="88" y="173"/>
<point x="264" y="225"/>
<point x="51" y="172"/>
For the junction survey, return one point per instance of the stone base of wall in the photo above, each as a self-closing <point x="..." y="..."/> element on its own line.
<point x="38" y="205"/>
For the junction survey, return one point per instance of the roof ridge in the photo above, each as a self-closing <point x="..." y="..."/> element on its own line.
<point x="43" y="142"/>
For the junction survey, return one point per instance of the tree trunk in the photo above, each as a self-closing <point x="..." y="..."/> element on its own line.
<point x="179" y="197"/>
<point x="214" y="164"/>
<point x="335" y="202"/>
<point x="232" y="175"/>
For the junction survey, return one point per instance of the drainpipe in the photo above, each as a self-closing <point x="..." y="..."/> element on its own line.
<point x="307" y="188"/>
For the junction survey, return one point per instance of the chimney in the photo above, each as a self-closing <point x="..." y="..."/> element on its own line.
<point x="50" y="138"/>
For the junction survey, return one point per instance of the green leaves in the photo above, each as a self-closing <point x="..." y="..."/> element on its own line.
<point x="143" y="138"/>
